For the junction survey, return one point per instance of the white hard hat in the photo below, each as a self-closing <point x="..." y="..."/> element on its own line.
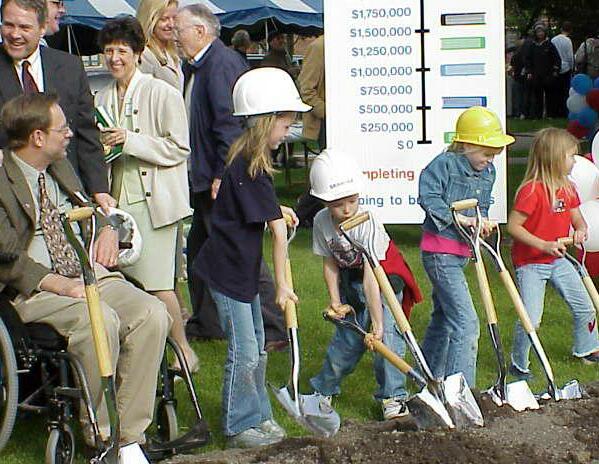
<point x="334" y="175"/>
<point x="130" y="241"/>
<point x="266" y="90"/>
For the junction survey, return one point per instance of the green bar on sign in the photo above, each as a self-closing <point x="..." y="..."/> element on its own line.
<point x="462" y="43"/>
<point x="448" y="137"/>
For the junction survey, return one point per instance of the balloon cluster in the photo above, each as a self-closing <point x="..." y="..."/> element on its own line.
<point x="583" y="105"/>
<point x="585" y="176"/>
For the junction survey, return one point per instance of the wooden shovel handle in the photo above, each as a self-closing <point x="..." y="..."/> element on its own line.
<point x="390" y="356"/>
<point x="290" y="310"/>
<point x="391" y="298"/>
<point x="464" y="204"/>
<point x="96" y="318"/>
<point x="79" y="214"/>
<point x="485" y="291"/>
<point x="506" y="278"/>
<point x="355" y="221"/>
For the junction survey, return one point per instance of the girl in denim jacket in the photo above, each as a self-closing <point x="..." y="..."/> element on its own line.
<point x="546" y="206"/>
<point x="464" y="170"/>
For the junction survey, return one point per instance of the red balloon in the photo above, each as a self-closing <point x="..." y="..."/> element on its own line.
<point x="577" y="129"/>
<point x="593" y="99"/>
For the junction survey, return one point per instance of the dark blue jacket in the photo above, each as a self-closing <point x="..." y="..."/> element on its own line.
<point x="212" y="126"/>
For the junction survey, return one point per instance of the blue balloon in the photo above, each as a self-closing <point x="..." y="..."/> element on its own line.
<point x="588" y="118"/>
<point x="596" y="83"/>
<point x="582" y="84"/>
<point x="573" y="116"/>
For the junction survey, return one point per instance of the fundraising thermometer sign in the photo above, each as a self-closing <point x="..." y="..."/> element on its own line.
<point x="398" y="74"/>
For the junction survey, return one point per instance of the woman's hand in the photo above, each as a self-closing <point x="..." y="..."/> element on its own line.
<point x="112" y="136"/>
<point x="283" y="294"/>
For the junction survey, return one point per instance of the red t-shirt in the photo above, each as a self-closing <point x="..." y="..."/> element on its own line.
<point x="545" y="221"/>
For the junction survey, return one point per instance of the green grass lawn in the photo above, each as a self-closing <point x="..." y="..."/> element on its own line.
<point x="28" y="442"/>
<point x="515" y="125"/>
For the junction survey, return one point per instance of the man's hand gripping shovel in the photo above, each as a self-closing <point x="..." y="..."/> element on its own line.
<point x="516" y="394"/>
<point x="111" y="452"/>
<point x="572" y="389"/>
<point x="307" y="410"/>
<point x="453" y="393"/>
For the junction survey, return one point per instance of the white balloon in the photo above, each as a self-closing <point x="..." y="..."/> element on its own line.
<point x="572" y="92"/>
<point x="585" y="176"/>
<point x="590" y="213"/>
<point x="595" y="149"/>
<point x="576" y="103"/>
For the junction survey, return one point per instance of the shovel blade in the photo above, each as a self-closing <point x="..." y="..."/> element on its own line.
<point x="428" y="411"/>
<point x="132" y="454"/>
<point x="309" y="412"/>
<point x="517" y="395"/>
<point x="461" y="403"/>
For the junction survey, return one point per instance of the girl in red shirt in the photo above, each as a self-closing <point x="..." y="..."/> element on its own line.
<point x="545" y="207"/>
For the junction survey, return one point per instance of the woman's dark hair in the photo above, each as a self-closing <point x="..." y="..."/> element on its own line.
<point x="125" y="29"/>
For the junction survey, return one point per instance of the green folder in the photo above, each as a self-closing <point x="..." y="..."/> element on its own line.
<point x="104" y="121"/>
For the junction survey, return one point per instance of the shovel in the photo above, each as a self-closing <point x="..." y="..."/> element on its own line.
<point x="458" y="399"/>
<point x="516" y="394"/>
<point x="307" y="410"/>
<point x="582" y="271"/>
<point x="426" y="408"/>
<point x="109" y="453"/>
<point x="572" y="389"/>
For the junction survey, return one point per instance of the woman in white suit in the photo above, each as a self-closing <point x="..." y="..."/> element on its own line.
<point x="149" y="179"/>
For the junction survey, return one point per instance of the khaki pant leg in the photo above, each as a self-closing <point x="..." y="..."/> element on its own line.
<point x="144" y="325"/>
<point x="70" y="318"/>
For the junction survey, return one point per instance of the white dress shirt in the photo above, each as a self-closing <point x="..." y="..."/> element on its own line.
<point x="35" y="68"/>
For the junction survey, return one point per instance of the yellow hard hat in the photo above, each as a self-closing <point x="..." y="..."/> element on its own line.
<point x="480" y="126"/>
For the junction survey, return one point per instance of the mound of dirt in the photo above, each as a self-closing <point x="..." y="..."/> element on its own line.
<point x="559" y="432"/>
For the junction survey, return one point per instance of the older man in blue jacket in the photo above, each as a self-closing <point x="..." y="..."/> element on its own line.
<point x="211" y="72"/>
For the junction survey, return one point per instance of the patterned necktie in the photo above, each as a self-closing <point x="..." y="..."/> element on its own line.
<point x="29" y="85"/>
<point x="63" y="256"/>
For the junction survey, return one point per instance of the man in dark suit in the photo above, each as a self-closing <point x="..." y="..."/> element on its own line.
<point x="26" y="67"/>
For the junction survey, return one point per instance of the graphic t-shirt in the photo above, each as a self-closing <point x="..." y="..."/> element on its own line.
<point x="548" y="222"/>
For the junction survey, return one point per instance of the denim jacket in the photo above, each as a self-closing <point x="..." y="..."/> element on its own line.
<point x="448" y="178"/>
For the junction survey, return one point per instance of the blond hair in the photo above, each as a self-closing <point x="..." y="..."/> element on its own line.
<point x="547" y="161"/>
<point x="148" y="14"/>
<point x="253" y="144"/>
<point x="462" y="148"/>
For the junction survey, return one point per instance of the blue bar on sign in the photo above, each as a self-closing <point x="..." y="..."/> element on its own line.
<point x="463" y="102"/>
<point x="464" y="69"/>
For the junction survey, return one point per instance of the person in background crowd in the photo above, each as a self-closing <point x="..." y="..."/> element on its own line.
<point x="149" y="178"/>
<point x="25" y="67"/>
<point x="587" y="57"/>
<point x="542" y="67"/>
<point x="159" y="58"/>
<point x="563" y="45"/>
<point x="56" y="10"/>
<point x="278" y="56"/>
<point x="213" y="69"/>
<point x="520" y="93"/>
<point x="241" y="43"/>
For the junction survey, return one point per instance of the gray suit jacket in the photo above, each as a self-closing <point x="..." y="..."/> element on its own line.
<point x="65" y="76"/>
<point x="17" y="223"/>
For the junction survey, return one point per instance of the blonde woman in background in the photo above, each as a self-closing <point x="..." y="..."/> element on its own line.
<point x="159" y="58"/>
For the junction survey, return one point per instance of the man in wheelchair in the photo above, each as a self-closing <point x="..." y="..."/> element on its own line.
<point x="41" y="271"/>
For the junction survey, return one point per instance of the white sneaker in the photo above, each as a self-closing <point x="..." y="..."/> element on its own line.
<point x="251" y="438"/>
<point x="270" y="427"/>
<point x="395" y="408"/>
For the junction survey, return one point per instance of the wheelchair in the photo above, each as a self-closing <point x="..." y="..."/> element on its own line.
<point x="38" y="375"/>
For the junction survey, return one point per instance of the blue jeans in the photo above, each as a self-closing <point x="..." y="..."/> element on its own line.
<point x="346" y="349"/>
<point x="532" y="279"/>
<point x="245" y="399"/>
<point x="451" y="339"/>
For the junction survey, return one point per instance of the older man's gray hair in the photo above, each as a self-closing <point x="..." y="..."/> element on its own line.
<point x="202" y="15"/>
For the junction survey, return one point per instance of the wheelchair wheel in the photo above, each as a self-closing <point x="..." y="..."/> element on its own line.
<point x="60" y="448"/>
<point x="166" y="421"/>
<point x="9" y="386"/>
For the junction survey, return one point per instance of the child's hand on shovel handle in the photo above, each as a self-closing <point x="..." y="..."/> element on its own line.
<point x="290" y="217"/>
<point x="338" y="310"/>
<point x="283" y="294"/>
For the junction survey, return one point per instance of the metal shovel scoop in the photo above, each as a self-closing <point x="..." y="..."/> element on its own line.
<point x="307" y="410"/>
<point x="428" y="411"/>
<point x="459" y="401"/>
<point x="572" y="390"/>
<point x="110" y="453"/>
<point x="516" y="394"/>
